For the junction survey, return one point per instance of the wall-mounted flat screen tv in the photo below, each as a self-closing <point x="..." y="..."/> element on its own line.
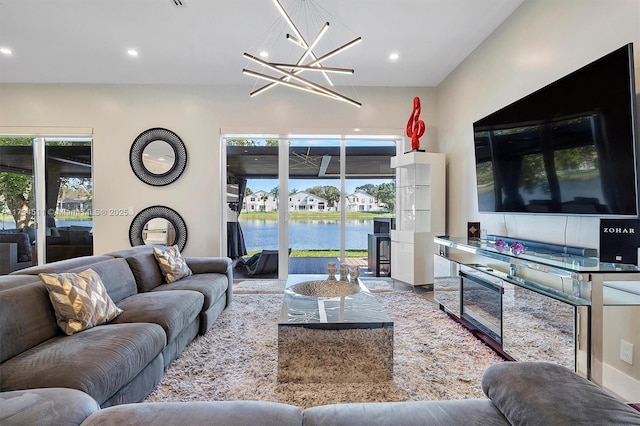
<point x="568" y="148"/>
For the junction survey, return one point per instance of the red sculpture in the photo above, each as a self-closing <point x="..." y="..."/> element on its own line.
<point x="415" y="126"/>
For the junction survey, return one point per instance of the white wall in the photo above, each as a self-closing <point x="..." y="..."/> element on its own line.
<point x="198" y="114"/>
<point x="540" y="42"/>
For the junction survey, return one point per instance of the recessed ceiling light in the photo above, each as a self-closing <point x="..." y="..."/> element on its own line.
<point x="394" y="56"/>
<point x="6" y="51"/>
<point x="264" y="54"/>
<point x="356" y="129"/>
<point x="132" y="52"/>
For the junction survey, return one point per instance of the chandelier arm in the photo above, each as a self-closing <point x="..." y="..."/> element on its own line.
<point x="313" y="63"/>
<point x="298" y="34"/>
<point x="308" y="68"/>
<point x="309" y="51"/>
<point x="325" y="92"/>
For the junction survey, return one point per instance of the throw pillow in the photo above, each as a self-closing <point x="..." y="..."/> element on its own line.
<point x="80" y="301"/>
<point x="172" y="264"/>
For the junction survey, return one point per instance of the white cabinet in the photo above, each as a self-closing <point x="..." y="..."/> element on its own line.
<point x="420" y="215"/>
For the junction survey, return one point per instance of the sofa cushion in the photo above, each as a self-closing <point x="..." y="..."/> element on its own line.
<point x="98" y="361"/>
<point x="174" y="311"/>
<point x="212" y="287"/>
<point x="221" y="413"/>
<point x="62" y="265"/>
<point x="146" y="271"/>
<point x="27" y="319"/>
<point x="46" y="406"/>
<point x="543" y="393"/>
<point x="422" y="413"/>
<point x="172" y="264"/>
<point x="116" y="277"/>
<point x="79" y="300"/>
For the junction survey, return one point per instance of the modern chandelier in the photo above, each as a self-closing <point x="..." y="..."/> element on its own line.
<point x="290" y="74"/>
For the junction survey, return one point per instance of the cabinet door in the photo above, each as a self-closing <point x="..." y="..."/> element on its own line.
<point x="446" y="284"/>
<point x="537" y="327"/>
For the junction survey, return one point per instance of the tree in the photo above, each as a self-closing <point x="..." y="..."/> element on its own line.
<point x="293" y="191"/>
<point x="275" y="191"/>
<point x="386" y="193"/>
<point x="369" y="188"/>
<point x="16" y="189"/>
<point x="264" y="197"/>
<point x="332" y="195"/>
<point x="318" y="191"/>
<point x="328" y="192"/>
<point x="248" y="191"/>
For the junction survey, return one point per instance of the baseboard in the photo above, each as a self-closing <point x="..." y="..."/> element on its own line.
<point x="625" y="387"/>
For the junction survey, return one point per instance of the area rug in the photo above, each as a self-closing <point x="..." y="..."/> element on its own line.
<point x="259" y="287"/>
<point x="434" y="358"/>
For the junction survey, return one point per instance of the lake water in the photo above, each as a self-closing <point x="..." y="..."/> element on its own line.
<point x="303" y="235"/>
<point x="307" y="235"/>
<point x="10" y="224"/>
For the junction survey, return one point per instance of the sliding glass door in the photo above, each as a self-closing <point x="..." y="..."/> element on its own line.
<point x="46" y="196"/>
<point x="311" y="199"/>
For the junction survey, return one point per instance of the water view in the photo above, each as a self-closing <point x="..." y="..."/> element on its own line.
<point x="306" y="234"/>
<point x="10" y="224"/>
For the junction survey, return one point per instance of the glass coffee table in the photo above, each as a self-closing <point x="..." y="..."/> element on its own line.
<point x="333" y="332"/>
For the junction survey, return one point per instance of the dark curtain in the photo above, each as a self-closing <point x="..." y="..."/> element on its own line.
<point x="235" y="239"/>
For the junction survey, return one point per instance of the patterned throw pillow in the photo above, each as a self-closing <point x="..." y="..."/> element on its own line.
<point x="172" y="264"/>
<point x="80" y="301"/>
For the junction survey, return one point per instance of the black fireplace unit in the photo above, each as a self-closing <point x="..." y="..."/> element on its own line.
<point x="482" y="304"/>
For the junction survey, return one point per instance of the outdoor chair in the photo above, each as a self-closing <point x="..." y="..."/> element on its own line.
<point x="265" y="262"/>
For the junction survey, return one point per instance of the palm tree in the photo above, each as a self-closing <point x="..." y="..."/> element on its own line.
<point x="264" y="197"/>
<point x="275" y="191"/>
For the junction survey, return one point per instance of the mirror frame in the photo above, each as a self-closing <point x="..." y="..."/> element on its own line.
<point x="137" y="151"/>
<point x="153" y="212"/>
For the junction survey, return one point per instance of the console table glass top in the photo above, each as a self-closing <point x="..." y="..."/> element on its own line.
<point x="541" y="260"/>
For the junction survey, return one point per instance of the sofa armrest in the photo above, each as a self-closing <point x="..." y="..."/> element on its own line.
<point x="543" y="393"/>
<point x="204" y="265"/>
<point x="220" y="265"/>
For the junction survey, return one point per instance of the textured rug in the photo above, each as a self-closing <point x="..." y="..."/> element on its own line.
<point x="434" y="358"/>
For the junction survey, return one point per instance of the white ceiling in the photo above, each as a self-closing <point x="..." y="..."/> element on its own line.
<point x="86" y="41"/>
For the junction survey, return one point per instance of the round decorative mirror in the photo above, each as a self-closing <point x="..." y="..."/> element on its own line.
<point x="158" y="156"/>
<point x="158" y="225"/>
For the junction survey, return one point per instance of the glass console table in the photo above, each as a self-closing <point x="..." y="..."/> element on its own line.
<point x="543" y="305"/>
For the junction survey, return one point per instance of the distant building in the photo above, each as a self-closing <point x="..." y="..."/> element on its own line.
<point x="361" y="201"/>
<point x="305" y="201"/>
<point x="260" y="201"/>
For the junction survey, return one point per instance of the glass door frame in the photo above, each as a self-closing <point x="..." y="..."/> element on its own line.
<point x="40" y="137"/>
<point x="283" y="179"/>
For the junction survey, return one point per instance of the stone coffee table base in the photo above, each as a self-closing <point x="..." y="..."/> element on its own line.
<point x="353" y="355"/>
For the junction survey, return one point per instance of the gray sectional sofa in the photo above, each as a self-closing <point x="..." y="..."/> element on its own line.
<point x="124" y="360"/>
<point x="528" y="393"/>
<point x="100" y="376"/>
